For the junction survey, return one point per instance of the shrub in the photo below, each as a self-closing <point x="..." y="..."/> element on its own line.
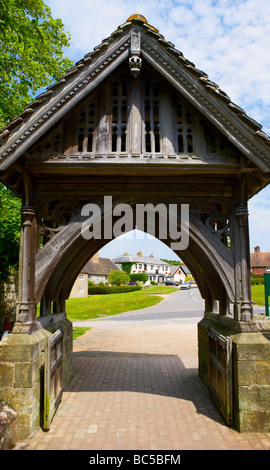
<point x="257" y="280"/>
<point x="94" y="290"/>
<point x="118" y="277"/>
<point x="154" y="283"/>
<point x="90" y="283"/>
<point x="138" y="277"/>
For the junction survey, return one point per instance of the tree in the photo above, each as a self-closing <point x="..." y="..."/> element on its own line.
<point x="31" y="57"/>
<point x="13" y="18"/>
<point x="172" y="262"/>
<point x="116" y="278"/>
<point x="31" y="53"/>
<point x="10" y="218"/>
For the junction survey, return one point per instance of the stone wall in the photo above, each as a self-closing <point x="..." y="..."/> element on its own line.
<point x="250" y="374"/>
<point x="22" y="362"/>
<point x="252" y="382"/>
<point x="8" y="430"/>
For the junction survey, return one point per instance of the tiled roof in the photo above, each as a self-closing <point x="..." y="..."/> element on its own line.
<point x="138" y="259"/>
<point x="173" y="268"/>
<point x="259" y="259"/>
<point x="82" y="66"/>
<point x="186" y="270"/>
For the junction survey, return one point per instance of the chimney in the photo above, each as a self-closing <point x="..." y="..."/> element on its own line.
<point x="257" y="249"/>
<point x="95" y="258"/>
<point x="139" y="253"/>
<point x="151" y="256"/>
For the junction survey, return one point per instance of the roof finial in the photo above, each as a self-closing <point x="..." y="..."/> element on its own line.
<point x="137" y="17"/>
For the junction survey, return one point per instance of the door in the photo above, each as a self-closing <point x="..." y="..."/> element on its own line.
<point x="53" y="376"/>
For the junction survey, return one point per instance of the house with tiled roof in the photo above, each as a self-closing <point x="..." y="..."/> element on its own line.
<point x="157" y="270"/>
<point x="96" y="270"/>
<point x="259" y="261"/>
<point x="177" y="274"/>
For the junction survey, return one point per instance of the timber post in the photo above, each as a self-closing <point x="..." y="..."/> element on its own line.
<point x="26" y="309"/>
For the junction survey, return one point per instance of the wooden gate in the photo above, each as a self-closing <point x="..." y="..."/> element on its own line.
<point x="220" y="372"/>
<point x="53" y="376"/>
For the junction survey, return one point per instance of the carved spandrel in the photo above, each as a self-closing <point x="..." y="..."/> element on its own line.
<point x="217" y="220"/>
<point x="55" y="215"/>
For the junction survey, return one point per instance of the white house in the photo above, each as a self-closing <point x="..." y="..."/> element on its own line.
<point x="156" y="269"/>
<point x="178" y="274"/>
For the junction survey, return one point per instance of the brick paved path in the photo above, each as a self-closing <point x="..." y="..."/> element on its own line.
<point x="136" y="386"/>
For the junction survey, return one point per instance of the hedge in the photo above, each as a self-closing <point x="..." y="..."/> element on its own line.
<point x="111" y="289"/>
<point x="138" y="277"/>
<point x="257" y="280"/>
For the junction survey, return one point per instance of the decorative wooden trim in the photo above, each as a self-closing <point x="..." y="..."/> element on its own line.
<point x="63" y="102"/>
<point x="208" y="106"/>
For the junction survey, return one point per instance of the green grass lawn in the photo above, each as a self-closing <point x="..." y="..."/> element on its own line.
<point x="160" y="290"/>
<point x="79" y="331"/>
<point x="96" y="306"/>
<point x="258" y="294"/>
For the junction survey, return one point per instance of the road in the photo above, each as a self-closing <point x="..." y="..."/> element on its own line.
<point x="155" y="329"/>
<point x="185" y="306"/>
<point x="181" y="306"/>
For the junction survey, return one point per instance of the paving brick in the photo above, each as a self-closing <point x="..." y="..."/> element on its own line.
<point x="140" y="396"/>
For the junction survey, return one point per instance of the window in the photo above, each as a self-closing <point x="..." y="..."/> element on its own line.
<point x="184" y="128"/>
<point x="140" y="266"/>
<point x="81" y="289"/>
<point x="151" y="116"/>
<point x="119" y="115"/>
<point x="87" y="123"/>
<point x="81" y="277"/>
<point x="267" y="268"/>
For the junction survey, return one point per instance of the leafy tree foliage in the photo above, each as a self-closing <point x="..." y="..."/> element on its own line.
<point x="172" y="262"/>
<point x="10" y="216"/>
<point x="31" y="53"/>
<point x="13" y="18"/>
<point x="31" y="57"/>
<point x="116" y="278"/>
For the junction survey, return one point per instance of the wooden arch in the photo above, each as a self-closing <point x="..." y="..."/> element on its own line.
<point x="207" y="257"/>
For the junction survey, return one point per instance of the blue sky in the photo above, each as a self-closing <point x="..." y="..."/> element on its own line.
<point x="227" y="39"/>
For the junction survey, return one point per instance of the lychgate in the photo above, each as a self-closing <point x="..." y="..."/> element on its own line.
<point x="137" y="121"/>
